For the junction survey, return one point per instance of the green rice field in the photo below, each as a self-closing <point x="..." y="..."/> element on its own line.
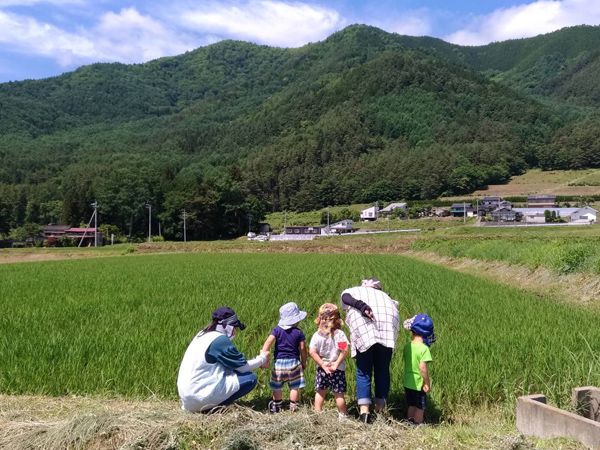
<point x="118" y="326"/>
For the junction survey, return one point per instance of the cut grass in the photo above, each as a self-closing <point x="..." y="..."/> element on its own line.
<point x="88" y="423"/>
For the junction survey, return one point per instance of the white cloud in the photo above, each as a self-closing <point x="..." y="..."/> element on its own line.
<point x="414" y="23"/>
<point x="27" y="35"/>
<point x="132" y="37"/>
<point x="127" y="36"/>
<point x="264" y="21"/>
<point x="527" y="20"/>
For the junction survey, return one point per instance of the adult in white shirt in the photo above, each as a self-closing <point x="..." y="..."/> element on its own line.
<point x="373" y="319"/>
<point x="213" y="372"/>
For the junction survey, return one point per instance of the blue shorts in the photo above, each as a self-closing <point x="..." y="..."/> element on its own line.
<point x="286" y="371"/>
<point x="414" y="398"/>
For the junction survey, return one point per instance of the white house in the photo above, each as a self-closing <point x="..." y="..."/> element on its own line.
<point x="343" y="226"/>
<point x="393" y="206"/>
<point x="370" y="213"/>
<point x="583" y="215"/>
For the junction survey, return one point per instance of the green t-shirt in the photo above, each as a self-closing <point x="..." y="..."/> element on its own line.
<point x="414" y="353"/>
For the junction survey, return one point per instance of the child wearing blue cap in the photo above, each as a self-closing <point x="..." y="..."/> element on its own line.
<point x="416" y="356"/>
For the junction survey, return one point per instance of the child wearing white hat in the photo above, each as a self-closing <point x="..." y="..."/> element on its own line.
<point x="289" y="356"/>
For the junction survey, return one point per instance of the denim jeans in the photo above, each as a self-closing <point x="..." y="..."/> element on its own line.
<point x="247" y="383"/>
<point x="375" y="360"/>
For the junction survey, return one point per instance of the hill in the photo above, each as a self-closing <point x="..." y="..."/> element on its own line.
<point x="229" y="130"/>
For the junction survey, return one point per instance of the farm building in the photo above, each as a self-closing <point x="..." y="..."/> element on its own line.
<point x="393" y="206"/>
<point x="459" y="209"/>
<point x="541" y="201"/>
<point x="370" y="213"/>
<point x="310" y="230"/>
<point x="582" y="215"/>
<point x="343" y="226"/>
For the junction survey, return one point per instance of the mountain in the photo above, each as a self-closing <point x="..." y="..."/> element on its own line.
<point x="234" y="127"/>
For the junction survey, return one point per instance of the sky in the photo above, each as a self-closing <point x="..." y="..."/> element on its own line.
<point x="42" y="38"/>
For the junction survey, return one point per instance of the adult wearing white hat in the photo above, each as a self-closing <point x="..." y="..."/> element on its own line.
<point x="213" y="372"/>
<point x="373" y="319"/>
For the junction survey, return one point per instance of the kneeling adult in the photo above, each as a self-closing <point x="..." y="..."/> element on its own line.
<point x="213" y="372"/>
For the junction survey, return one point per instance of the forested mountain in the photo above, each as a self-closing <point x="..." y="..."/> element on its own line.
<point x="234" y="128"/>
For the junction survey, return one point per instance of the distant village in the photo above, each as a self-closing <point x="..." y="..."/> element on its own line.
<point x="541" y="210"/>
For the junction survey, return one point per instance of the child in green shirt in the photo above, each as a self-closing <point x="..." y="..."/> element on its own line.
<point x="416" y="356"/>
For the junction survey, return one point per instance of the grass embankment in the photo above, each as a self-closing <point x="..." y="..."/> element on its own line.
<point x="99" y="424"/>
<point x="565" y="254"/>
<point x="118" y="327"/>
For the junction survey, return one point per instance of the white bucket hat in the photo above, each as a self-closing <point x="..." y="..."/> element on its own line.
<point x="290" y="314"/>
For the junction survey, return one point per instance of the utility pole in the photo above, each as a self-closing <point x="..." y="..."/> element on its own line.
<point x="184" y="226"/>
<point x="464" y="212"/>
<point x="328" y="217"/>
<point x="284" y="220"/>
<point x="149" y="207"/>
<point x="249" y="222"/>
<point x="95" y="205"/>
<point x="388" y="220"/>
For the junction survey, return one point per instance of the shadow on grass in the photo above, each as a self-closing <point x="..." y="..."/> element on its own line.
<point x="396" y="405"/>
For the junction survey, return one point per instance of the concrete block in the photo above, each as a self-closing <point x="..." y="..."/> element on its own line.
<point x="536" y="418"/>
<point x="585" y="401"/>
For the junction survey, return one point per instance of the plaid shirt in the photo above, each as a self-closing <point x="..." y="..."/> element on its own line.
<point x="364" y="333"/>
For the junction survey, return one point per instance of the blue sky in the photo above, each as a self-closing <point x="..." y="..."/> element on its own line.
<point x="41" y="38"/>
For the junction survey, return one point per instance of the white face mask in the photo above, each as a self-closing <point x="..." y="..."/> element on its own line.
<point x="228" y="331"/>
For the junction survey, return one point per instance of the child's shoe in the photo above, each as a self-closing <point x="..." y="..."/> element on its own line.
<point x="293" y="406"/>
<point x="364" y="418"/>
<point x="275" y="406"/>
<point x="343" y="417"/>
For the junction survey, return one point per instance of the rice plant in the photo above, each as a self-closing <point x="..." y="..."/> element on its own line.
<point x="119" y="326"/>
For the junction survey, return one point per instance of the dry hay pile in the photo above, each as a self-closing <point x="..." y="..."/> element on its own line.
<point x="28" y="423"/>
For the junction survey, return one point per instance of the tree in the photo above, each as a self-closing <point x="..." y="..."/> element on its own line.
<point x="27" y="231"/>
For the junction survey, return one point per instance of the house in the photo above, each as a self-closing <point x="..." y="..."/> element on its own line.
<point x="370" y="213"/>
<point x="584" y="215"/>
<point x="459" y="209"/>
<point x="505" y="215"/>
<point x="87" y="234"/>
<point x="310" y="230"/>
<point x="55" y="230"/>
<point x="491" y="201"/>
<point x="440" y="211"/>
<point x="541" y="201"/>
<point x="343" y="226"/>
<point x="393" y="206"/>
